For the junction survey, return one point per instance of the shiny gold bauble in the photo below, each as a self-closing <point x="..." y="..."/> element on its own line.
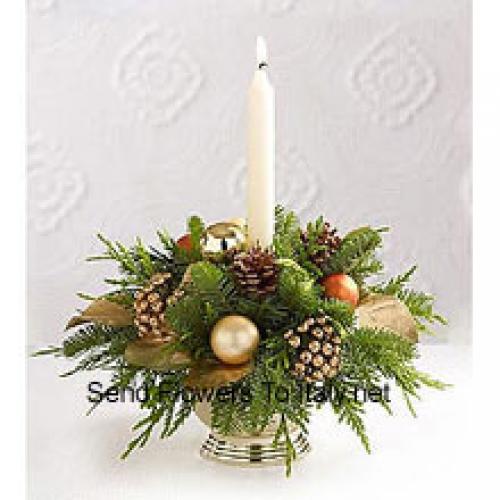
<point x="222" y="236"/>
<point x="238" y="221"/>
<point x="234" y="339"/>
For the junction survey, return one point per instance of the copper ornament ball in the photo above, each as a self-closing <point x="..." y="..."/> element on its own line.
<point x="341" y="287"/>
<point x="185" y="242"/>
<point x="234" y="339"/>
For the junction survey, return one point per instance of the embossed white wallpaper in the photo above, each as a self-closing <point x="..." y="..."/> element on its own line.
<point x="137" y="119"/>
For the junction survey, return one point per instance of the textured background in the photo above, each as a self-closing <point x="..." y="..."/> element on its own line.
<point x="137" y="119"/>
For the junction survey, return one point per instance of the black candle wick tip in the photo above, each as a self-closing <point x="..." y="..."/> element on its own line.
<point x="262" y="65"/>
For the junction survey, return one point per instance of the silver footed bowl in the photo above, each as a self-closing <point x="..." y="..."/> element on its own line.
<point x="245" y="449"/>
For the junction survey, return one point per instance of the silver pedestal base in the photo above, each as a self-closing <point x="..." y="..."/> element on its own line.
<point x="245" y="453"/>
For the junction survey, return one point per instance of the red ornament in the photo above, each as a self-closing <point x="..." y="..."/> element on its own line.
<point x="341" y="287"/>
<point x="185" y="243"/>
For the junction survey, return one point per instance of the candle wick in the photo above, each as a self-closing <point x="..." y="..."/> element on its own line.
<point x="261" y="52"/>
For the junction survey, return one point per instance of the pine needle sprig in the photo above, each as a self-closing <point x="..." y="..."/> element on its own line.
<point x="286" y="234"/>
<point x="210" y="284"/>
<point x="167" y="242"/>
<point x="420" y="305"/>
<point x="356" y="255"/>
<point x="283" y="435"/>
<point x="136" y="264"/>
<point x="94" y="346"/>
<point x="395" y="285"/>
<point x="95" y="336"/>
<point x="313" y="245"/>
<point x="371" y="355"/>
<point x="165" y="407"/>
<point x="349" y="409"/>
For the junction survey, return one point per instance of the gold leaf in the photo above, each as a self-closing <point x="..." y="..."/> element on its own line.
<point x="104" y="312"/>
<point x="386" y="311"/>
<point x="155" y="356"/>
<point x="209" y="374"/>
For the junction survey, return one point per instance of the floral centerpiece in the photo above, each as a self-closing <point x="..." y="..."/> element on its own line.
<point x="253" y="340"/>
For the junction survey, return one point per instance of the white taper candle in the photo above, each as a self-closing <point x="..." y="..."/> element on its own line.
<point x="261" y="153"/>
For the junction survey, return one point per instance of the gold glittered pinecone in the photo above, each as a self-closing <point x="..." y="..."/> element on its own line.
<point x="256" y="271"/>
<point x="325" y="244"/>
<point x="317" y="346"/>
<point x="149" y="308"/>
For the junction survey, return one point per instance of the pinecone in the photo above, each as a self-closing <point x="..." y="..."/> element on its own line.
<point x="256" y="271"/>
<point x="317" y="346"/>
<point x="149" y="307"/>
<point x="327" y="239"/>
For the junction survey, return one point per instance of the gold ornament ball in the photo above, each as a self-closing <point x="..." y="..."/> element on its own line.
<point x="234" y="339"/>
<point x="221" y="237"/>
<point x="238" y="221"/>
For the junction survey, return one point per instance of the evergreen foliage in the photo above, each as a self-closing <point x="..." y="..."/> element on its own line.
<point x="165" y="407"/>
<point x="286" y="234"/>
<point x="357" y="255"/>
<point x="93" y="347"/>
<point x="370" y="357"/>
<point x="420" y="304"/>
